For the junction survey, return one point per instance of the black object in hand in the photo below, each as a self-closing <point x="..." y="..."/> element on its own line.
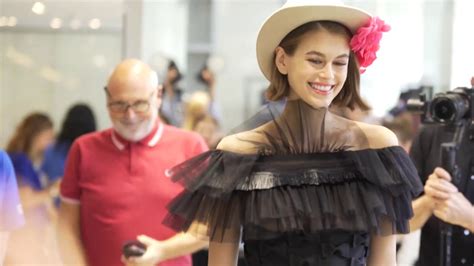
<point x="133" y="248"/>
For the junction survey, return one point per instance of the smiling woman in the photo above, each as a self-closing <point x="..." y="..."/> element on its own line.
<point x="317" y="68"/>
<point x="306" y="186"/>
<point x="343" y="66"/>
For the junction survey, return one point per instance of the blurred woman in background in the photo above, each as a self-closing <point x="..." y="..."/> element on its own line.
<point x="26" y="149"/>
<point x="34" y="243"/>
<point x="79" y="120"/>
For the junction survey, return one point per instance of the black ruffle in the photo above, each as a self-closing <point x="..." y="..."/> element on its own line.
<point x="366" y="190"/>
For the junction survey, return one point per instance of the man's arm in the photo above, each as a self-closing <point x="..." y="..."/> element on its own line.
<point x="179" y="245"/>
<point x="69" y="234"/>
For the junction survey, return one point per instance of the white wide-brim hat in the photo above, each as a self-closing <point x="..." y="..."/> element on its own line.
<point x="296" y="13"/>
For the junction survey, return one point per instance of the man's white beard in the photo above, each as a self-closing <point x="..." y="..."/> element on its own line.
<point x="143" y="130"/>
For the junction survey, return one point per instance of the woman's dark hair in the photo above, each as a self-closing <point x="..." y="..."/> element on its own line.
<point x="79" y="120"/>
<point x="27" y="130"/>
<point x="172" y="65"/>
<point x="349" y="95"/>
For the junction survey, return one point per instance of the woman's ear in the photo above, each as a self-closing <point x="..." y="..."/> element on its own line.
<point x="281" y="60"/>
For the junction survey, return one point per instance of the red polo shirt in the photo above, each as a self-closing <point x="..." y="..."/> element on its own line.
<point x="123" y="188"/>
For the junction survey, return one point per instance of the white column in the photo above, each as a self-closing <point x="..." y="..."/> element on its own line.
<point x="438" y="36"/>
<point x="156" y="29"/>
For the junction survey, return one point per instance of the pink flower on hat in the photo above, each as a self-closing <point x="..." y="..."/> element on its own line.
<point x="365" y="43"/>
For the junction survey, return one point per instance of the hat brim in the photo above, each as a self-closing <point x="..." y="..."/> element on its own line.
<point x="286" y="19"/>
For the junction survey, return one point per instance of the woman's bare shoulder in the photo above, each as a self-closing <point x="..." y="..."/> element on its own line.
<point x="243" y="142"/>
<point x="378" y="136"/>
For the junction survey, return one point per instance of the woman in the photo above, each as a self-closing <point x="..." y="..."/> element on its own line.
<point x="172" y="105"/>
<point x="26" y="149"/>
<point x="79" y="120"/>
<point x="306" y="186"/>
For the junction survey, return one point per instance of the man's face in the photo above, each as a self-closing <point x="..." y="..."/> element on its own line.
<point x="133" y="110"/>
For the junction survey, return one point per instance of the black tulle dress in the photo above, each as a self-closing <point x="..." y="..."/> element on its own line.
<point x="304" y="186"/>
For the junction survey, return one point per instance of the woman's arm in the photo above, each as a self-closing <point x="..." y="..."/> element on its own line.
<point x="422" y="211"/>
<point x="225" y="253"/>
<point x="382" y="251"/>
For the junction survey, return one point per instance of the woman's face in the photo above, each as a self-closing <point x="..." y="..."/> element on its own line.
<point x="317" y="70"/>
<point x="42" y="141"/>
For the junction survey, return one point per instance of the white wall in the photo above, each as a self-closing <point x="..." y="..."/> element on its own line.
<point x="47" y="71"/>
<point x="235" y="28"/>
<point x="400" y="60"/>
<point x="463" y="44"/>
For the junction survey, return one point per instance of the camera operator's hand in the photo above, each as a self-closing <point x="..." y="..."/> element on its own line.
<point x="439" y="186"/>
<point x="456" y="210"/>
<point x="450" y="205"/>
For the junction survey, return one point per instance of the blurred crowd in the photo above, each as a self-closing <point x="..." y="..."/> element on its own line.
<point x="38" y="150"/>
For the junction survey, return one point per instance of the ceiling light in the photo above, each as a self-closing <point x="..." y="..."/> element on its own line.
<point x="56" y="23"/>
<point x="94" y="23"/>
<point x="12" y="21"/>
<point x="75" y="24"/>
<point x="38" y="8"/>
<point x="3" y="21"/>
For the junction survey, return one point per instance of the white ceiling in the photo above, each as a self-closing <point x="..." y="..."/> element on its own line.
<point x="108" y="11"/>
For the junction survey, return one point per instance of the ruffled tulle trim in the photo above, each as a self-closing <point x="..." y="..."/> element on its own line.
<point x="366" y="190"/>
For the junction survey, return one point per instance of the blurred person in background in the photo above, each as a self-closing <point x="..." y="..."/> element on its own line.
<point x="26" y="150"/>
<point x="79" y="120"/>
<point x="11" y="211"/>
<point x="209" y="129"/>
<point x="116" y="183"/>
<point x="197" y="107"/>
<point x="402" y="126"/>
<point x="199" y="119"/>
<point x="208" y="78"/>
<point x="172" y="104"/>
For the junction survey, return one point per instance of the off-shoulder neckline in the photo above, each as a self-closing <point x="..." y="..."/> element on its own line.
<point x="344" y="152"/>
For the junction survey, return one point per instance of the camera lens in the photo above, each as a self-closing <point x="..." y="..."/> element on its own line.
<point x="444" y="110"/>
<point x="449" y="108"/>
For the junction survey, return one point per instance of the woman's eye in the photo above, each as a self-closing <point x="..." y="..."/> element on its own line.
<point x="315" y="61"/>
<point x="340" y="63"/>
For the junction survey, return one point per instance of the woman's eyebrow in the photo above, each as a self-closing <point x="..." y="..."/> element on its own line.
<point x="322" y="55"/>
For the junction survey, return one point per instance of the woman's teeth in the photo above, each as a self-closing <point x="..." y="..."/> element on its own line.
<point x="320" y="87"/>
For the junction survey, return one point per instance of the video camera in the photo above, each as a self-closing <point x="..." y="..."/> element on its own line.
<point x="445" y="108"/>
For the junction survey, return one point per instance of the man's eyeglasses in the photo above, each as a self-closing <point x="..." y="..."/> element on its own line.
<point x="140" y="106"/>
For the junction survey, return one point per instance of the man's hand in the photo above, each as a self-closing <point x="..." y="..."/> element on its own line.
<point x="152" y="256"/>
<point x="439" y="186"/>
<point x="456" y="210"/>
<point x="450" y="205"/>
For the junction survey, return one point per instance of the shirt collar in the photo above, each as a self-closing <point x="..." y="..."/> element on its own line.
<point x="151" y="140"/>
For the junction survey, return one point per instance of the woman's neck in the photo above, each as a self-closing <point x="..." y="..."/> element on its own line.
<point x="36" y="157"/>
